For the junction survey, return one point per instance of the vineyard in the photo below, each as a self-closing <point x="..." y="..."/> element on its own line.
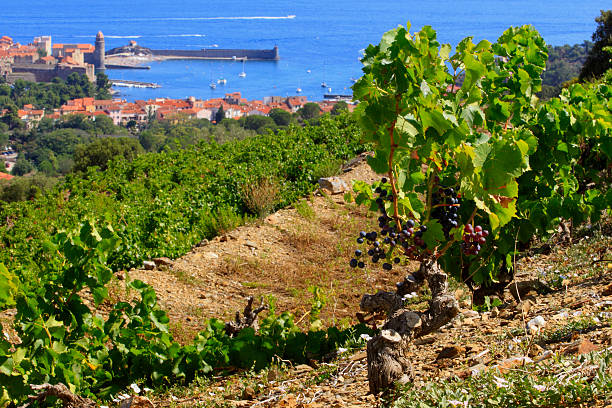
<point x="472" y="176"/>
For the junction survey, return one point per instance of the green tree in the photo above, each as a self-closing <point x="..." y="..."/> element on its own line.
<point x="76" y="121"/>
<point x="220" y="115"/>
<point x="11" y="119"/>
<point x="152" y="140"/>
<point x="103" y="125"/>
<point x="309" y="111"/>
<point x="101" y="151"/>
<point x="46" y="125"/>
<point x="103" y="86"/>
<point x="4" y="139"/>
<point x="22" y="167"/>
<point x="340" y="106"/>
<point x="281" y="117"/>
<point x="258" y="123"/>
<point x="598" y="60"/>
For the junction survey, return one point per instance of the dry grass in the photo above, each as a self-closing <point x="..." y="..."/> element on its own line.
<point x="261" y="196"/>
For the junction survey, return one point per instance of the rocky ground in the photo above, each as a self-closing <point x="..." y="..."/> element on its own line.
<point x="288" y="252"/>
<point x="311" y="243"/>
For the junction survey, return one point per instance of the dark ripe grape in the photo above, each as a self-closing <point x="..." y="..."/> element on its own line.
<point x="379" y="201"/>
<point x="485" y="233"/>
<point x="371" y="252"/>
<point x="386" y="240"/>
<point x="387" y="266"/>
<point x="360" y="240"/>
<point x="361" y="265"/>
<point x="418" y="234"/>
<point x="382" y="218"/>
<point x="449" y="191"/>
<point x="482" y="240"/>
<point x="375" y="259"/>
<point x="378" y="190"/>
<point x="405" y="232"/>
<point x="469" y="229"/>
<point x="424" y="228"/>
<point x="358" y="252"/>
<point x="376" y="244"/>
<point x="383" y="193"/>
<point x="383" y="180"/>
<point x="353" y="263"/>
<point x="396" y="260"/>
<point x="373" y="234"/>
<point x="478" y="228"/>
<point x="383" y="232"/>
<point x="392" y="242"/>
<point x="453" y="224"/>
<point x="362" y="234"/>
<point x="410" y="223"/>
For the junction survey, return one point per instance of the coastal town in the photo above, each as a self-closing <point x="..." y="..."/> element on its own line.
<point x="42" y="61"/>
<point x="140" y="111"/>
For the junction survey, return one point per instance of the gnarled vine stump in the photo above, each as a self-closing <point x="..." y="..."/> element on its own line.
<point x="387" y="361"/>
<point x="248" y="319"/>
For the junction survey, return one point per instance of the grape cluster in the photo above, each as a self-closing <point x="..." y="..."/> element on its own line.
<point x="381" y="245"/>
<point x="473" y="239"/>
<point x="446" y="208"/>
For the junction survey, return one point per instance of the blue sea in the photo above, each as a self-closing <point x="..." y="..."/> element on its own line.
<point x="319" y="41"/>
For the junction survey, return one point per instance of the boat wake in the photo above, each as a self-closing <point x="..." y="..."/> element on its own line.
<point x="288" y="17"/>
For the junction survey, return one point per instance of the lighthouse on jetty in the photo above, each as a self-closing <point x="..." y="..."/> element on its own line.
<point x="99" y="53"/>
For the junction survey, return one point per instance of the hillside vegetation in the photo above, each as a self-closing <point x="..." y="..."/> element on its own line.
<point x="474" y="178"/>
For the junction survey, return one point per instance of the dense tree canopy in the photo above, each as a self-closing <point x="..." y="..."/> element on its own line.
<point x="598" y="60"/>
<point x="309" y="111"/>
<point x="101" y="151"/>
<point x="51" y="95"/>
<point x="281" y="117"/>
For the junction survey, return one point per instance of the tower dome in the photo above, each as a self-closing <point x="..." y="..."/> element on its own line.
<point x="100" y="36"/>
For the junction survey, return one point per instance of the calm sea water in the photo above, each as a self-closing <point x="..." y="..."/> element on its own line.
<point x="319" y="41"/>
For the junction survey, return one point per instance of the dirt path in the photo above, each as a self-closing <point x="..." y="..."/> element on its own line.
<point x="282" y="255"/>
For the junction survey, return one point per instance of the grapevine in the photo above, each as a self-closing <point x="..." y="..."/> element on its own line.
<point x="469" y="168"/>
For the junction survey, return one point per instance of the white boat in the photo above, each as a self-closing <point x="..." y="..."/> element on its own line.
<point x="222" y="81"/>
<point x="299" y="90"/>
<point x="213" y="85"/>
<point x="242" y="74"/>
<point x="323" y="84"/>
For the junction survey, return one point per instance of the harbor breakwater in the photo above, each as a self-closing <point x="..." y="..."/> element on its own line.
<point x="220" y="54"/>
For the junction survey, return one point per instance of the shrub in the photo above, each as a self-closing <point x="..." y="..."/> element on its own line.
<point x="261" y="196"/>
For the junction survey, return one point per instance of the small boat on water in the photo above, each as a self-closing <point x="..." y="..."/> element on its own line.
<point x="299" y="90"/>
<point x="222" y="81"/>
<point x="323" y="84"/>
<point x="213" y="85"/>
<point x="242" y="74"/>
